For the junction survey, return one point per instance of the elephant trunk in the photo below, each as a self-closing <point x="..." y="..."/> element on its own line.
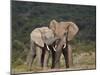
<point x="60" y="45"/>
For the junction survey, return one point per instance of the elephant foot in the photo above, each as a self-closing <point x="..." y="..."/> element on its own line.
<point x="69" y="65"/>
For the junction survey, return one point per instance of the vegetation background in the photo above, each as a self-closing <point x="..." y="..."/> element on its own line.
<point x="27" y="16"/>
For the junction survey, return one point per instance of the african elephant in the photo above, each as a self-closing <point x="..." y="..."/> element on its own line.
<point x="40" y="39"/>
<point x="66" y="31"/>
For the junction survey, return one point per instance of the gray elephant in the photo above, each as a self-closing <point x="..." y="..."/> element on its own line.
<point x="66" y="31"/>
<point x="55" y="39"/>
<point x="42" y="41"/>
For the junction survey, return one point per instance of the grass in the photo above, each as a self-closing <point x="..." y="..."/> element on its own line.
<point x="83" y="58"/>
<point x="82" y="46"/>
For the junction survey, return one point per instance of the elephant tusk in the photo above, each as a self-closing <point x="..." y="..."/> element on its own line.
<point x="55" y="46"/>
<point x="48" y="48"/>
<point x="64" y="45"/>
<point x="54" y="49"/>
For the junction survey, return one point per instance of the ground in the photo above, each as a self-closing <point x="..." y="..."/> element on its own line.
<point x="81" y="61"/>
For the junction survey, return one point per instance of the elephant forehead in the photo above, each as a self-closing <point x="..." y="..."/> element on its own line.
<point x="65" y="24"/>
<point x="60" y="27"/>
<point x="60" y="30"/>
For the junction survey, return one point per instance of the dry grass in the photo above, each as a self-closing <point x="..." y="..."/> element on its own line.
<point x="85" y="60"/>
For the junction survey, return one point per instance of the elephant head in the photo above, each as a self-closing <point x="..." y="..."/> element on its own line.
<point x="42" y="35"/>
<point x="62" y="28"/>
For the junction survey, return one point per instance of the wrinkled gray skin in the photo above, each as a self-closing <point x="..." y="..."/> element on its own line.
<point x="66" y="31"/>
<point x="41" y="42"/>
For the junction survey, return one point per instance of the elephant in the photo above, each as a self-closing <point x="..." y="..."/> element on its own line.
<point x="41" y="42"/>
<point x="66" y="31"/>
<point x="54" y="38"/>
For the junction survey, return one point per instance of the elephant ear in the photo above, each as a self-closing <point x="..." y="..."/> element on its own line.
<point x="36" y="38"/>
<point x="53" y="24"/>
<point x="72" y="30"/>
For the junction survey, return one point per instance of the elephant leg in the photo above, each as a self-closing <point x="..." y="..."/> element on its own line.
<point x="58" y="54"/>
<point x="30" y="57"/>
<point x="46" y="60"/>
<point x="39" y="56"/>
<point x="53" y="58"/>
<point x="67" y="52"/>
<point x="42" y="57"/>
<point x="70" y="58"/>
<point x="57" y="59"/>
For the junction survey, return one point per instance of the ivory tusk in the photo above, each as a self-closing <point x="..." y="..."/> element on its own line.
<point x="64" y="45"/>
<point x="54" y="49"/>
<point x="48" y="48"/>
<point x="55" y="46"/>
